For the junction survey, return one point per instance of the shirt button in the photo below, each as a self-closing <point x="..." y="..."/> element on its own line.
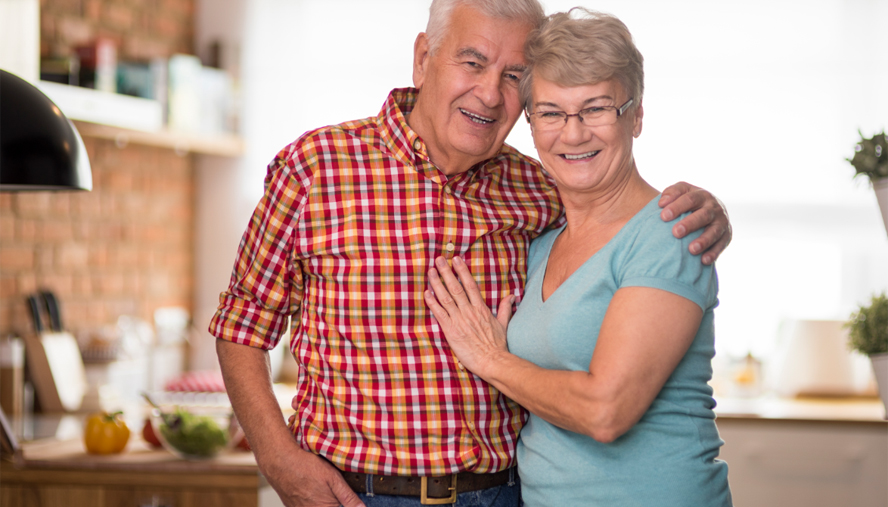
<point x="417" y="144"/>
<point x="450" y="247"/>
<point x="448" y="190"/>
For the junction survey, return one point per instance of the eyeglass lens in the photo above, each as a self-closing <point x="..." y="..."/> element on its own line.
<point x="591" y="117"/>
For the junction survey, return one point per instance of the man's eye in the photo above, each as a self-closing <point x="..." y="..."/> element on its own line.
<point x="513" y="77"/>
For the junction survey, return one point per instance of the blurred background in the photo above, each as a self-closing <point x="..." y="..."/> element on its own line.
<point x="181" y="104"/>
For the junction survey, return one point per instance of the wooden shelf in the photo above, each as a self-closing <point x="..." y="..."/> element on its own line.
<point x="182" y="143"/>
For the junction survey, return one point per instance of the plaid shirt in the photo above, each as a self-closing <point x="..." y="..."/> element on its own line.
<point x="352" y="218"/>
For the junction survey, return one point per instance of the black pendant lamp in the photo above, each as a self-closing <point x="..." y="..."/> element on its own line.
<point x="40" y="149"/>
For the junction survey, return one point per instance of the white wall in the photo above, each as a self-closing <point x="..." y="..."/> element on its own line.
<point x="757" y="101"/>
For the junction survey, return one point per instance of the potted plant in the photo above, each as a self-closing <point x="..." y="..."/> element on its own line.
<point x="868" y="334"/>
<point x="871" y="158"/>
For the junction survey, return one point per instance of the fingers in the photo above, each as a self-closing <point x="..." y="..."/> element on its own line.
<point x="692" y="200"/>
<point x="504" y="311"/>
<point x="708" y="213"/>
<point x="453" y="285"/>
<point x="468" y="282"/>
<point x="671" y="193"/>
<point x="713" y="252"/>
<point x="345" y="495"/>
<point x="698" y="220"/>
<point x="715" y="237"/>
<point x="441" y="315"/>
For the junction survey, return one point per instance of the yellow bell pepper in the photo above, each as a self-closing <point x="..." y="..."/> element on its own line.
<point x="105" y="433"/>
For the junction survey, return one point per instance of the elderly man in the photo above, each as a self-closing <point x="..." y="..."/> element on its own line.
<point x="351" y="220"/>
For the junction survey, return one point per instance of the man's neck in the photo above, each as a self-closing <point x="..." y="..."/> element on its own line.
<point x="447" y="164"/>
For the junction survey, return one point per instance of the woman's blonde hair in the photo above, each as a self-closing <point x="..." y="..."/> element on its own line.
<point x="583" y="47"/>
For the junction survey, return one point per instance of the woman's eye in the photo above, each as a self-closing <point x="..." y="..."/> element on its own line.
<point x="550" y="114"/>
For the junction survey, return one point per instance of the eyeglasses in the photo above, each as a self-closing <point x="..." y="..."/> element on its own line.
<point x="597" y="116"/>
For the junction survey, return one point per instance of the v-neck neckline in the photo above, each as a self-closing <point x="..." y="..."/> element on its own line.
<point x="545" y="266"/>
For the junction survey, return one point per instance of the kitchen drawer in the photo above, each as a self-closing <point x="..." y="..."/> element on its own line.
<point x="773" y="462"/>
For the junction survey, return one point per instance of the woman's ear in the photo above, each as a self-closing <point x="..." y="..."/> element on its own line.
<point x="639" y="116"/>
<point x="420" y="59"/>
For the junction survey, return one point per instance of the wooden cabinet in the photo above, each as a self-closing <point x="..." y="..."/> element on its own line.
<point x="59" y="473"/>
<point x="34" y="487"/>
<point x="812" y="453"/>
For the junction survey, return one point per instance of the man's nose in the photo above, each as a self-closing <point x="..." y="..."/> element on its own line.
<point x="489" y="89"/>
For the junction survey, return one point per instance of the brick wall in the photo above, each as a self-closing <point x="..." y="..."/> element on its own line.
<point x="142" y="29"/>
<point x="127" y="246"/>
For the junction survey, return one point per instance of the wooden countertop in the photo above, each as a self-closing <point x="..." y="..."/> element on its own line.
<point x="771" y="407"/>
<point x="138" y="456"/>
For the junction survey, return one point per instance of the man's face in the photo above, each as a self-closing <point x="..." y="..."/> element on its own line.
<point x="468" y="100"/>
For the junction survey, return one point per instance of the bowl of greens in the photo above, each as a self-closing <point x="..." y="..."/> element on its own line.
<point x="196" y="433"/>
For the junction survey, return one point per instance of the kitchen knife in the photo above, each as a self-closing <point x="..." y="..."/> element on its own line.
<point x="52" y="308"/>
<point x="35" y="314"/>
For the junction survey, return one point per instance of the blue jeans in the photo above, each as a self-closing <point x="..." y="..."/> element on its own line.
<point x="507" y="495"/>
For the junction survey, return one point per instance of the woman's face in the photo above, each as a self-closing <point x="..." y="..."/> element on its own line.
<point x="582" y="158"/>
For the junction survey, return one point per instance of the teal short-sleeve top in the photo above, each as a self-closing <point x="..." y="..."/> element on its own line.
<point x="669" y="458"/>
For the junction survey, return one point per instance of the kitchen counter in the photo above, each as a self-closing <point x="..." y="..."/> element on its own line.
<point x="57" y="471"/>
<point x="824" y="409"/>
<point x="138" y="456"/>
<point x="803" y="451"/>
<point x="817" y="452"/>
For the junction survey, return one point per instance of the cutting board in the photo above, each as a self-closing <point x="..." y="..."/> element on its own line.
<point x="56" y="369"/>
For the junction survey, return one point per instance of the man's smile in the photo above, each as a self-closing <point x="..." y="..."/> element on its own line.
<point x="481" y="120"/>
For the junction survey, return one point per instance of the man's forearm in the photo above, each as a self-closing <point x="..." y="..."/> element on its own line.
<point x="298" y="476"/>
<point x="247" y="374"/>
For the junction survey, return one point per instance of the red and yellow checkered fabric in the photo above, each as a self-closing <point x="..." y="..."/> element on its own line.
<point x="350" y="223"/>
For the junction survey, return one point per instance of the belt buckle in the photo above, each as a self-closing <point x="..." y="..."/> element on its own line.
<point x="424" y="493"/>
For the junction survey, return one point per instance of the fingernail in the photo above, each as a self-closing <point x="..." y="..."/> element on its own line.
<point x="458" y="260"/>
<point x="682" y="231"/>
<point x="695" y="248"/>
<point x="668" y="215"/>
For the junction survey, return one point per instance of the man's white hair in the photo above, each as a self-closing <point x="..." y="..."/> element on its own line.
<point x="441" y="12"/>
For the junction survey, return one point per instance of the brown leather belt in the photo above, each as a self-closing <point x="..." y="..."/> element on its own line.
<point x="431" y="490"/>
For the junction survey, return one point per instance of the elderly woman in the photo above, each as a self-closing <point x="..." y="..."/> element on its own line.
<point x="611" y="345"/>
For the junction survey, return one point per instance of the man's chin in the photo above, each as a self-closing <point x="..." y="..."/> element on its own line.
<point x="478" y="147"/>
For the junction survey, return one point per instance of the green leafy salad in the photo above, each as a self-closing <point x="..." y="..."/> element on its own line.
<point x="194" y="435"/>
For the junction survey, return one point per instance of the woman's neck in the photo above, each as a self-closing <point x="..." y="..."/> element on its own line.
<point x="606" y="207"/>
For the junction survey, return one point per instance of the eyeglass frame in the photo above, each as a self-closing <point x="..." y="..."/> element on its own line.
<point x="620" y="110"/>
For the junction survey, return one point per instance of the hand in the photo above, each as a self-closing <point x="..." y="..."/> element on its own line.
<point x="708" y="212"/>
<point x="301" y="478"/>
<point x="474" y="334"/>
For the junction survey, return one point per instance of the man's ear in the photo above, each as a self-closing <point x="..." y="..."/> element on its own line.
<point x="420" y="59"/>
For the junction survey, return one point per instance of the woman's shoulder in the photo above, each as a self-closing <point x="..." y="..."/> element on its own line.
<point x="647" y="226"/>
<point x="652" y="256"/>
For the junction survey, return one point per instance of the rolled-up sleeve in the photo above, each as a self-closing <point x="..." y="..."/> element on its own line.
<point x="267" y="283"/>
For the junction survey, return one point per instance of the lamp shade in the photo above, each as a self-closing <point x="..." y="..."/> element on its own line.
<point x="40" y="149"/>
